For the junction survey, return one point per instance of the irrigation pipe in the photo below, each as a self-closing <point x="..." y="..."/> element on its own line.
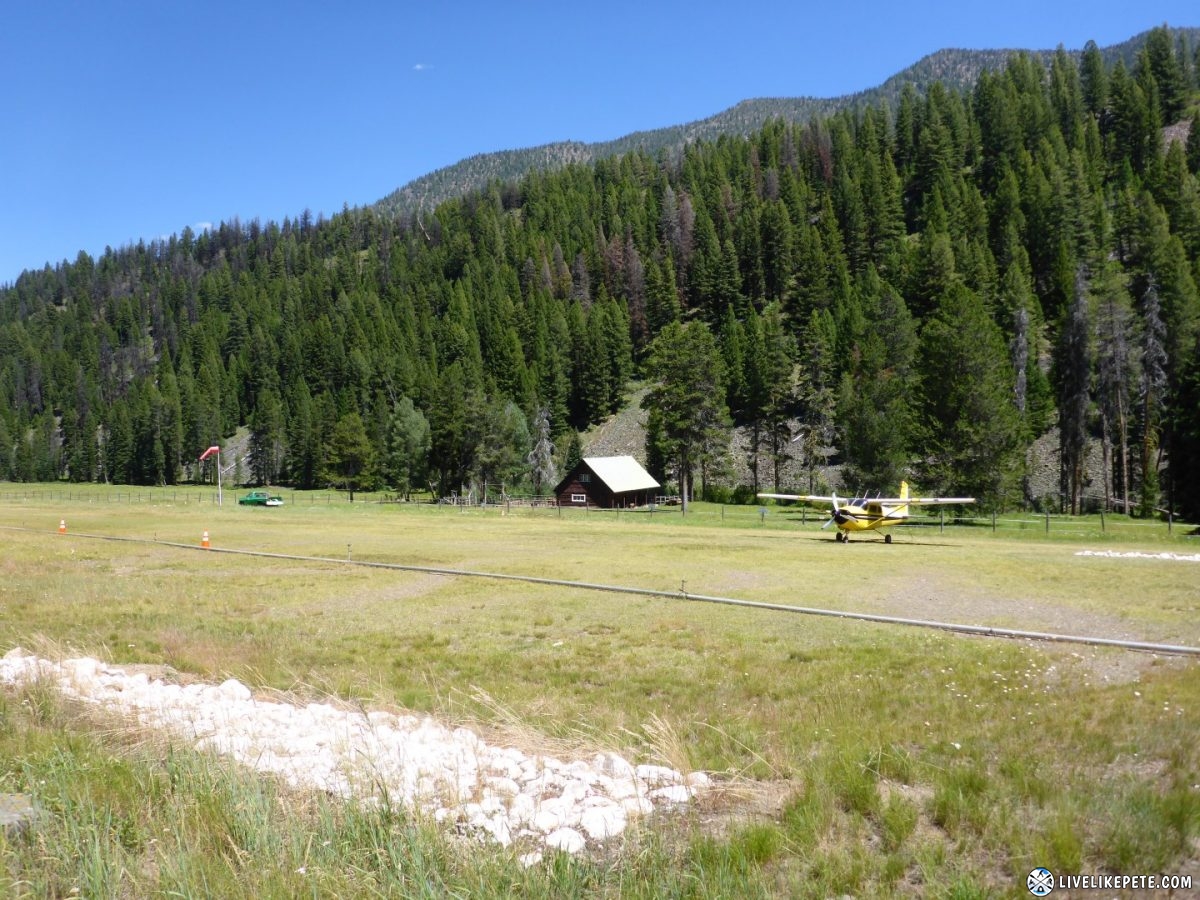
<point x="979" y="630"/>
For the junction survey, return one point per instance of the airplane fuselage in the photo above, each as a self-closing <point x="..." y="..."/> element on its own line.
<point x="852" y="517"/>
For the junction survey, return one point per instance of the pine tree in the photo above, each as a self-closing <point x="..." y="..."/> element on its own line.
<point x="687" y="398"/>
<point x="170" y="420"/>
<point x="816" y="390"/>
<point x="406" y="460"/>
<point x="1114" y="365"/>
<point x="1151" y="390"/>
<point x="1075" y="376"/>
<point x="1158" y="56"/>
<point x="875" y="396"/>
<point x="1093" y="79"/>
<point x="542" y="472"/>
<point x="969" y="427"/>
<point x="1193" y="144"/>
<point x="303" y="459"/>
<point x="350" y="458"/>
<point x="777" y="377"/>
<point x="266" y="438"/>
<point x="573" y="454"/>
<point x="451" y="448"/>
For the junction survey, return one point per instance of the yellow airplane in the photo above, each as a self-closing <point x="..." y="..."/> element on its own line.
<point x="869" y="514"/>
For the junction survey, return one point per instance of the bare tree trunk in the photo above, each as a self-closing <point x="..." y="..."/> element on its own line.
<point x="1123" y="432"/>
<point x="1106" y="449"/>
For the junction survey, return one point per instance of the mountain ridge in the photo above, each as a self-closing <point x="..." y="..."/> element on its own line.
<point x="956" y="68"/>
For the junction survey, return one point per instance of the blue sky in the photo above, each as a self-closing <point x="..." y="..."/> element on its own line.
<point x="130" y="120"/>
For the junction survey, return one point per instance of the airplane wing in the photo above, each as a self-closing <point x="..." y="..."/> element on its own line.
<point x="807" y="498"/>
<point x="881" y="501"/>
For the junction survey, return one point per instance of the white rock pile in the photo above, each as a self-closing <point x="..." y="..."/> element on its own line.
<point x="499" y="793"/>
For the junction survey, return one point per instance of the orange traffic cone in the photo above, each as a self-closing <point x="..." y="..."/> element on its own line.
<point x="62" y="526"/>
<point x="204" y="541"/>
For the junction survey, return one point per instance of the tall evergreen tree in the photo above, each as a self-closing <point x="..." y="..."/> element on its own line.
<point x="543" y="474"/>
<point x="1114" y="370"/>
<point x="687" y="398"/>
<point x="1093" y="79"/>
<point x="1151" y="390"/>
<point x="350" y="458"/>
<point x="1075" y="377"/>
<point x="875" y="406"/>
<point x="968" y="424"/>
<point x="408" y="444"/>
<point x="266" y="438"/>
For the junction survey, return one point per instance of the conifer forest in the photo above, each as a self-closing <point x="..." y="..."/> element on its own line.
<point x="920" y="288"/>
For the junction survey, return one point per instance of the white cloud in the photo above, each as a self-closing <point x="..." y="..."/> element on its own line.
<point x="421" y="67"/>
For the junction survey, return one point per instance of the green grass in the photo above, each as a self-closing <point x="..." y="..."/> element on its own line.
<point x="853" y="758"/>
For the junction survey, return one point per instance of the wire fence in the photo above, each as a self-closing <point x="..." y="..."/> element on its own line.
<point x="696" y="513"/>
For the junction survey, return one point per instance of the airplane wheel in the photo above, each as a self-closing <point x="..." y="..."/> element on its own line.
<point x="887" y="538"/>
<point x="837" y="536"/>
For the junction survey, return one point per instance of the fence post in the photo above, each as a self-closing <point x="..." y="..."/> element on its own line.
<point x="1047" y="521"/>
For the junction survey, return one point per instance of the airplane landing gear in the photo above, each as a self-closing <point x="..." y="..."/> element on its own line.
<point x="887" y="538"/>
<point x="838" y="536"/>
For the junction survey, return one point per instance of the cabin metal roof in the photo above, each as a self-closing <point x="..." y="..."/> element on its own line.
<point x="621" y="473"/>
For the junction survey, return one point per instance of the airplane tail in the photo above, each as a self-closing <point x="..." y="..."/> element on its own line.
<point x="901" y="511"/>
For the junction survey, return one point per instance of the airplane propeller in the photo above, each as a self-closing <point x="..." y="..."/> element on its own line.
<point x="832" y="515"/>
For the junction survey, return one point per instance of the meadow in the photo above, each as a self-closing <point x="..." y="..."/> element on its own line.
<point x="851" y="758"/>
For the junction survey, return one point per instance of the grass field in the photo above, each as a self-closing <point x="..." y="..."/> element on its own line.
<point x="852" y="758"/>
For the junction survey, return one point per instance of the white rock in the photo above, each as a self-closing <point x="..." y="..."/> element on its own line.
<point x="566" y="839"/>
<point x="233" y="689"/>
<point x="675" y="793"/>
<point x="547" y="820"/>
<point x="602" y="822"/>
<point x="504" y="786"/>
<point x="449" y="774"/>
<point x="658" y="775"/>
<point x="614" y="766"/>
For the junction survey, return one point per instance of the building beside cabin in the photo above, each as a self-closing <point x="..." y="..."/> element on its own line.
<point x="608" y="482"/>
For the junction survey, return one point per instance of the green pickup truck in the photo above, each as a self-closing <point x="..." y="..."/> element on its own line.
<point x="260" y="498"/>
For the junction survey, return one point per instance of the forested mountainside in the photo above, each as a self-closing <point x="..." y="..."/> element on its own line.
<point x="927" y="292"/>
<point x="956" y="70"/>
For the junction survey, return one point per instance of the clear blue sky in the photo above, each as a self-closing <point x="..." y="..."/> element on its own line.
<point x="130" y="120"/>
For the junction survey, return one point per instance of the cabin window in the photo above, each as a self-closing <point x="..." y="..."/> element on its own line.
<point x="585" y="478"/>
<point x="579" y="498"/>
